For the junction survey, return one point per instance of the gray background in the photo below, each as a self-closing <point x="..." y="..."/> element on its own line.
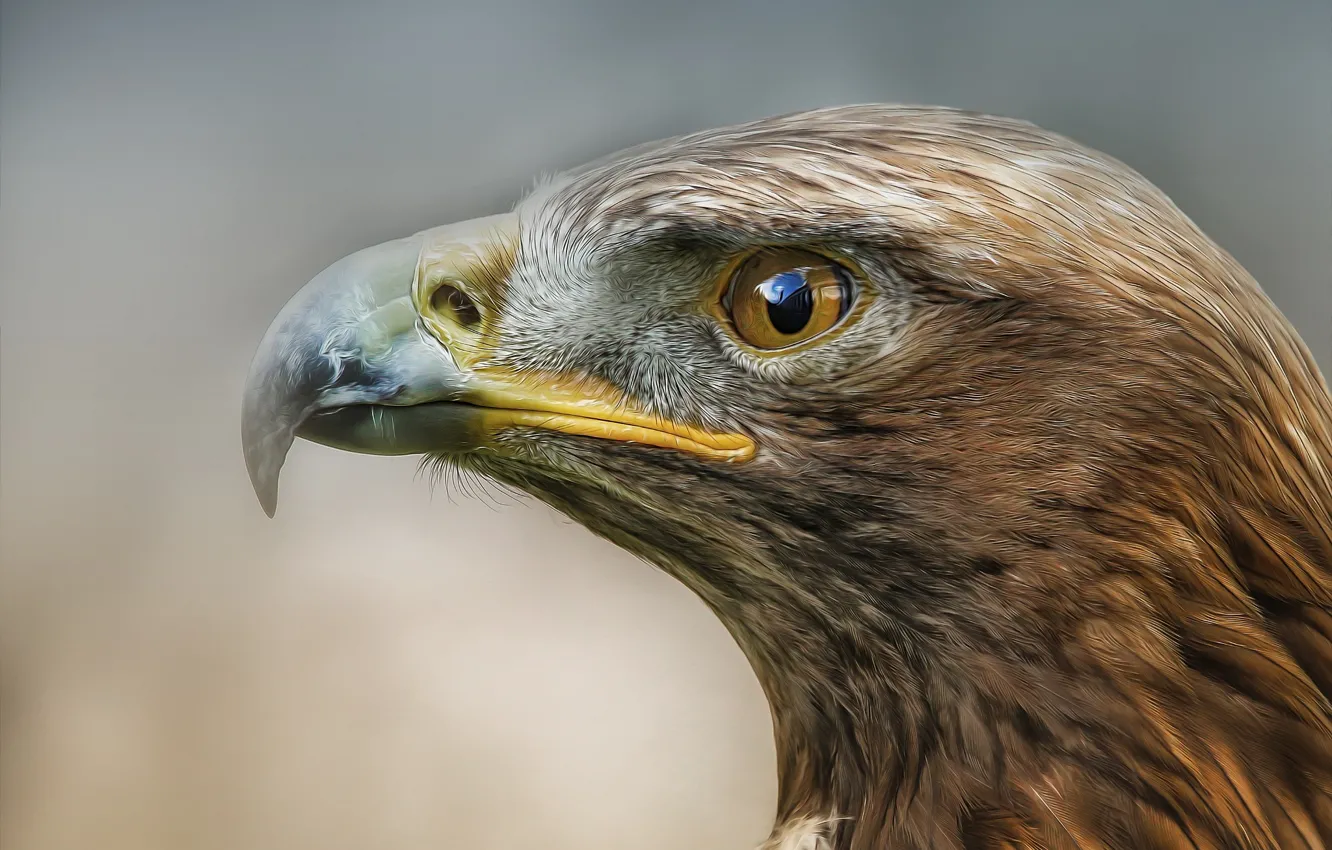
<point x="383" y="668"/>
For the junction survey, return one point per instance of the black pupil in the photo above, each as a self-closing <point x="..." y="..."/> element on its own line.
<point x="790" y="301"/>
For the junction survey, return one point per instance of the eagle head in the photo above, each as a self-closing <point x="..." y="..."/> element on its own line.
<point x="1013" y="487"/>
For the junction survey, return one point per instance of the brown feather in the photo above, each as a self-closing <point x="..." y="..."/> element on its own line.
<point x="1100" y="614"/>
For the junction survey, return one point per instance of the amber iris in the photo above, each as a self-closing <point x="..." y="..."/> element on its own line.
<point x="780" y="298"/>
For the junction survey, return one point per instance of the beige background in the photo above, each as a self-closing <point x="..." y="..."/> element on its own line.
<point x="380" y="667"/>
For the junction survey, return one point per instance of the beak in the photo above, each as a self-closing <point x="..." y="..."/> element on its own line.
<point x="360" y="359"/>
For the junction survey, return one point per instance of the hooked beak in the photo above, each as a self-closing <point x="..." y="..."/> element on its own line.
<point x="365" y="358"/>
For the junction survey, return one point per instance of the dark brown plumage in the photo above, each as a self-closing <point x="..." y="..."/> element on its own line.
<point x="1045" y="561"/>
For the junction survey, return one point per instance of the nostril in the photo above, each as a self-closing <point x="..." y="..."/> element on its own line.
<point x="451" y="301"/>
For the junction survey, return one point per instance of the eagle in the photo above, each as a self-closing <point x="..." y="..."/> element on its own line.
<point x="1013" y="487"/>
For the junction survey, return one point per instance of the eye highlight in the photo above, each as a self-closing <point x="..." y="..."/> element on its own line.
<point x="780" y="298"/>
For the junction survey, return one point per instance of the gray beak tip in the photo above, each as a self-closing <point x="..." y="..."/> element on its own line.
<point x="268" y="501"/>
<point x="276" y="399"/>
<point x="265" y="452"/>
<point x="266" y="488"/>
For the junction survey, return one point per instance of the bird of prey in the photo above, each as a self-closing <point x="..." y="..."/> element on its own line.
<point x="1012" y="485"/>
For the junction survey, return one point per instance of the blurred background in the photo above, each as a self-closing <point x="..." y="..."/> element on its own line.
<point x="383" y="666"/>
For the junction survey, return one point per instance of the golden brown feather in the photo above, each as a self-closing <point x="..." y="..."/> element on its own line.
<point x="1128" y="430"/>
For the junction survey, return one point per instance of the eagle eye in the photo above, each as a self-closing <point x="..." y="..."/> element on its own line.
<point x="780" y="298"/>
